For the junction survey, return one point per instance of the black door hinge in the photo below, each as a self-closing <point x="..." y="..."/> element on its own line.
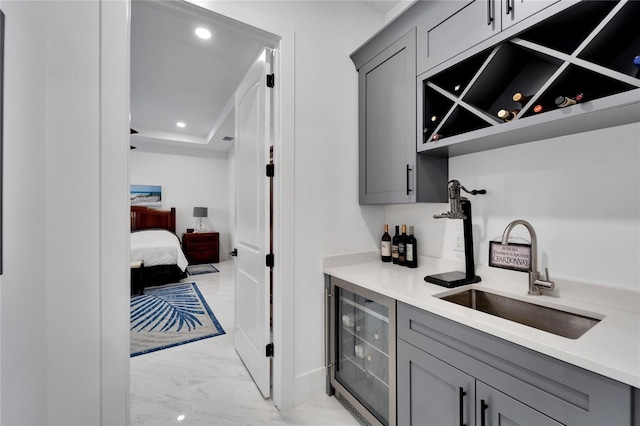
<point x="270" y="260"/>
<point x="271" y="80"/>
<point x="269" y="350"/>
<point x="271" y="170"/>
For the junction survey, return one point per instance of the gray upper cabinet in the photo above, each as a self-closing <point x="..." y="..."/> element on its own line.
<point x="390" y="169"/>
<point x="387" y="120"/>
<point x="468" y="23"/>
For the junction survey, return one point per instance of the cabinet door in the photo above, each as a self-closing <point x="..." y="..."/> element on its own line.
<point x="515" y="11"/>
<point x="387" y="125"/>
<point x="494" y="408"/>
<point x="431" y="392"/>
<point x="466" y="26"/>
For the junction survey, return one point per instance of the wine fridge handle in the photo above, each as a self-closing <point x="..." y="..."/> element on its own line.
<point x="462" y="395"/>
<point x="489" y="11"/>
<point x="408" y="179"/>
<point x="483" y="409"/>
<point x="509" y="6"/>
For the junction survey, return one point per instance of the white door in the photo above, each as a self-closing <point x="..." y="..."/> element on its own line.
<point x="253" y="129"/>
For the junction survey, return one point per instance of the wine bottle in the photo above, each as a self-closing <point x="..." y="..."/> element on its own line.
<point x="394" y="245"/>
<point x="520" y="98"/>
<point x="508" y="115"/>
<point x="579" y="97"/>
<point x="402" y="244"/>
<point x="564" y="101"/>
<point x="538" y="109"/>
<point x="385" y="245"/>
<point x="436" y="136"/>
<point x="412" y="250"/>
<point x="636" y="62"/>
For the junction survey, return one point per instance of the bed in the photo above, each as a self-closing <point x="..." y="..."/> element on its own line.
<point x="156" y="253"/>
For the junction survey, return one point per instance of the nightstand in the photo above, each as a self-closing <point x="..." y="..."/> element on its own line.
<point x="201" y="247"/>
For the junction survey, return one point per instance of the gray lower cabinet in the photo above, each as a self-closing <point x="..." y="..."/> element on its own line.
<point x="451" y="374"/>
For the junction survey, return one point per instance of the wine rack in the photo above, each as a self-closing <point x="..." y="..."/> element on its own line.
<point x="586" y="49"/>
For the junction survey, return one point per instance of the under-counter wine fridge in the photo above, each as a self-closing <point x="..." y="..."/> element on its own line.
<point x="361" y="351"/>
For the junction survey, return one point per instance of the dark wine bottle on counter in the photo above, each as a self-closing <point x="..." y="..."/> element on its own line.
<point x="402" y="245"/>
<point x="412" y="250"/>
<point x="520" y="98"/>
<point x="564" y="101"/>
<point x="508" y="115"/>
<point x="385" y="245"/>
<point x="394" y="245"/>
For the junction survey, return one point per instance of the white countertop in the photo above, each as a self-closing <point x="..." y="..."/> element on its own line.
<point x="611" y="348"/>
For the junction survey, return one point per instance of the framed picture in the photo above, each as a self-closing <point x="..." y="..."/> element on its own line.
<point x="514" y="256"/>
<point x="146" y="195"/>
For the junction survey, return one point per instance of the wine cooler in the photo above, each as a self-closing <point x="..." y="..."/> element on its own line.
<point x="361" y="351"/>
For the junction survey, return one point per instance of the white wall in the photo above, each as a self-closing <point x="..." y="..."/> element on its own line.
<point x="23" y="291"/>
<point x="56" y="323"/>
<point x="189" y="182"/>
<point x="580" y="193"/>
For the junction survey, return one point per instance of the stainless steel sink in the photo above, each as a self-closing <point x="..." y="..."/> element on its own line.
<point x="561" y="323"/>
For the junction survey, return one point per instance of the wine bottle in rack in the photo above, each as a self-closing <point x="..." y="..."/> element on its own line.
<point x="456" y="89"/>
<point x="436" y="136"/>
<point x="508" y="115"/>
<point x="385" y="245"/>
<point x="402" y="245"/>
<point x="636" y="62"/>
<point x="412" y="250"/>
<point x="520" y="98"/>
<point x="538" y="109"/>
<point x="564" y="101"/>
<point x="394" y="245"/>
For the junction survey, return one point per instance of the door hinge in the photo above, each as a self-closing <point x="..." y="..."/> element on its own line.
<point x="271" y="170"/>
<point x="271" y="80"/>
<point x="269" y="350"/>
<point x="270" y="260"/>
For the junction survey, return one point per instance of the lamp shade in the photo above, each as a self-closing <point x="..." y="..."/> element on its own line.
<point x="199" y="212"/>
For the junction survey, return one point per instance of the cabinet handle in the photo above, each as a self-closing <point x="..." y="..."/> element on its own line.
<point x="462" y="395"/>
<point x="408" y="173"/>
<point x="509" y="6"/>
<point x="483" y="409"/>
<point x="489" y="11"/>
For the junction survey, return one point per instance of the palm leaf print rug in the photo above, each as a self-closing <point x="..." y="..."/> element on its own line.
<point x="168" y="316"/>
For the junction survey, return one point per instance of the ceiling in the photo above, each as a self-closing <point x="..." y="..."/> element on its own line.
<point x="178" y="77"/>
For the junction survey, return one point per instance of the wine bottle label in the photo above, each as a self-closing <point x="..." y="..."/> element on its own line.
<point x="385" y="248"/>
<point x="409" y="253"/>
<point x="394" y="251"/>
<point x="401" y="250"/>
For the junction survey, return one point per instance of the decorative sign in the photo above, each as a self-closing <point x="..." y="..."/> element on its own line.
<point x="513" y="256"/>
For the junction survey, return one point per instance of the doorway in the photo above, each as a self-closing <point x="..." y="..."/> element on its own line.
<point x="165" y="141"/>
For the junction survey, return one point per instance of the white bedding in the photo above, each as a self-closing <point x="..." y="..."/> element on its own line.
<point x="157" y="247"/>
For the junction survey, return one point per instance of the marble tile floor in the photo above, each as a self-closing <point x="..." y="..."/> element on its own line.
<point x="205" y="382"/>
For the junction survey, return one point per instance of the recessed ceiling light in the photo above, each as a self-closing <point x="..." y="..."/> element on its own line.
<point x="203" y="33"/>
<point x="180" y="124"/>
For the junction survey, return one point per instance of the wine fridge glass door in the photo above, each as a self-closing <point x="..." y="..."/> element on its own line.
<point x="362" y="351"/>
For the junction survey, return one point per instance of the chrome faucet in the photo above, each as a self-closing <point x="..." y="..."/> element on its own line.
<point x="535" y="280"/>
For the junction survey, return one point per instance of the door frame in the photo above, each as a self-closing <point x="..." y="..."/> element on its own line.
<point x="114" y="102"/>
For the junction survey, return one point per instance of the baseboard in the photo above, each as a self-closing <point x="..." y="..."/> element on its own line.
<point x="309" y="386"/>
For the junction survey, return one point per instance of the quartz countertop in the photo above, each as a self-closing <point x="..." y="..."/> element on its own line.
<point x="611" y="348"/>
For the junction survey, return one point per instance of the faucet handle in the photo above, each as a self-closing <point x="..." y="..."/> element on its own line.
<point x="546" y="282"/>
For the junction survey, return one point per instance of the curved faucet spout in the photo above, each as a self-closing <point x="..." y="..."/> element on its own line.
<point x="534" y="240"/>
<point x="535" y="281"/>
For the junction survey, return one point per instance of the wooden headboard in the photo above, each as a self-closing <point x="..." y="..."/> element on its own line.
<point x="147" y="218"/>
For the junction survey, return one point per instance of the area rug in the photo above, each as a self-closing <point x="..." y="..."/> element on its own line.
<point x="168" y="316"/>
<point x="201" y="269"/>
